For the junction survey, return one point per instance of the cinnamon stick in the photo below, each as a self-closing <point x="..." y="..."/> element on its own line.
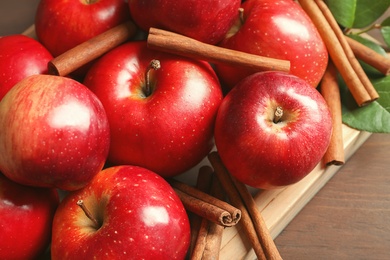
<point x="253" y="225"/>
<point x="329" y="87"/>
<point x="336" y="52"/>
<point x="205" y="205"/>
<point x="215" y="232"/>
<point x="369" y="56"/>
<point x="198" y="227"/>
<point x="181" y="45"/>
<point x="261" y="228"/>
<point x="348" y="51"/>
<point x="203" y="183"/>
<point x="201" y="241"/>
<point x="209" y="234"/>
<point x="88" y="51"/>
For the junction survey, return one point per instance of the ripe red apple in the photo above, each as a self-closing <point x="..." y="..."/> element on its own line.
<point x="277" y="29"/>
<point x="262" y="150"/>
<point x="62" y="24"/>
<point x="26" y="219"/>
<point x="167" y="129"/>
<point x="54" y="133"/>
<point x="204" y="20"/>
<point x="20" y="56"/>
<point x="136" y="213"/>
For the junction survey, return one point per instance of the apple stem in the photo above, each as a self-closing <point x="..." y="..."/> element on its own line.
<point x="155" y="65"/>
<point x="88" y="213"/>
<point x="278" y="114"/>
<point x="241" y="14"/>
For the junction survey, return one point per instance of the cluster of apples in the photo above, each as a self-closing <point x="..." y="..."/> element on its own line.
<point x="85" y="157"/>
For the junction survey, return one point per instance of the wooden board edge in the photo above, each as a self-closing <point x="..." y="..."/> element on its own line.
<point x="30" y="31"/>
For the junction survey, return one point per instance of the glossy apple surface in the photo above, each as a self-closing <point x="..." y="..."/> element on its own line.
<point x="204" y="20"/>
<point x="167" y="131"/>
<point x="54" y="133"/>
<point x="20" y="56"/>
<point x="26" y="219"/>
<point x="62" y="24"/>
<point x="266" y="154"/>
<point x="277" y="29"/>
<point x="139" y="216"/>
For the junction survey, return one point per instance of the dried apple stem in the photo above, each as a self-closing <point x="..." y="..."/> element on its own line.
<point x="88" y="213"/>
<point x="90" y="2"/>
<point x="155" y="65"/>
<point x="278" y="114"/>
<point x="241" y="14"/>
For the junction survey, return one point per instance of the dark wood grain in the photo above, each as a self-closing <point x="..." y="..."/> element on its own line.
<point x="350" y="217"/>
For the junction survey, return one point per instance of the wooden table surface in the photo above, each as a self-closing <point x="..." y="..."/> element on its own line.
<point x="348" y="219"/>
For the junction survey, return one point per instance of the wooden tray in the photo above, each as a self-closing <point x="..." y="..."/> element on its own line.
<point x="280" y="206"/>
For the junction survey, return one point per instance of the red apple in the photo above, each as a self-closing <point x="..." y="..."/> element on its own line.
<point x="168" y="130"/>
<point x="136" y="213"/>
<point x="26" y="219"/>
<point x="261" y="150"/>
<point x="277" y="29"/>
<point x="20" y="56"/>
<point x="62" y="24"/>
<point x="54" y="133"/>
<point x="204" y="20"/>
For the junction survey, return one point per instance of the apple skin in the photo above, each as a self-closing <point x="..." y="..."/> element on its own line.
<point x="20" y="56"/>
<point x="204" y="20"/>
<point x="54" y="133"/>
<point x="259" y="152"/>
<point x="26" y="219"/>
<point x="170" y="130"/>
<point x="139" y="215"/>
<point x="63" y="24"/>
<point x="278" y="29"/>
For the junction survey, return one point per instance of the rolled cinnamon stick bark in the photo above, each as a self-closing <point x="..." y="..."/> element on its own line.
<point x="336" y="52"/>
<point x="181" y="45"/>
<point x="88" y="51"/>
<point x="205" y="205"/>
<point x="348" y="51"/>
<point x="252" y="221"/>
<point x="329" y="88"/>
<point x="369" y="56"/>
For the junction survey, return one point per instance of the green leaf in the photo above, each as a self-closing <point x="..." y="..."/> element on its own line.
<point x="372" y="72"/>
<point x="357" y="13"/>
<point x="375" y="117"/>
<point x="368" y="11"/>
<point x="343" y="11"/>
<point x="385" y="30"/>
